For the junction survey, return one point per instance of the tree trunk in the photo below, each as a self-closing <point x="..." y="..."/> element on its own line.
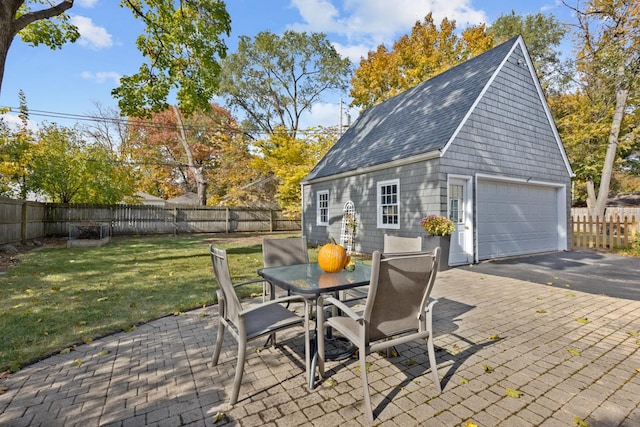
<point x="597" y="205"/>
<point x="201" y="182"/>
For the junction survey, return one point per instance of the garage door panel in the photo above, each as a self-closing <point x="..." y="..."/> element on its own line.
<point x="515" y="219"/>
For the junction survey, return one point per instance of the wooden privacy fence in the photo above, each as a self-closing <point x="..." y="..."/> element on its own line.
<point x="21" y="221"/>
<point x="611" y="232"/>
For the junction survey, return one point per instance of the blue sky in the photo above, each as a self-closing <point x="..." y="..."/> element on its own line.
<point x="80" y="75"/>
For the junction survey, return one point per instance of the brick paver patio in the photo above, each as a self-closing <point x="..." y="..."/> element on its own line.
<point x="571" y="357"/>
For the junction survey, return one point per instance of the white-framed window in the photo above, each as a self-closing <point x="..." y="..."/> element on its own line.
<point x="322" y="213"/>
<point x="389" y="204"/>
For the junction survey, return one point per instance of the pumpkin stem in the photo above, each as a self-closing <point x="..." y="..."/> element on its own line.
<point x="332" y="240"/>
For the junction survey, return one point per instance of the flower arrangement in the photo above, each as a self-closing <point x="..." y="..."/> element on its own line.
<point x="436" y="225"/>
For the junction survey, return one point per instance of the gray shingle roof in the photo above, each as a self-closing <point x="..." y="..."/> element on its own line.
<point x="417" y="121"/>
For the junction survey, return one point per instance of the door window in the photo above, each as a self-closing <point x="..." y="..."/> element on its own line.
<point x="456" y="203"/>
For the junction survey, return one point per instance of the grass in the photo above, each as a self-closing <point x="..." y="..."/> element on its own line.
<point x="57" y="298"/>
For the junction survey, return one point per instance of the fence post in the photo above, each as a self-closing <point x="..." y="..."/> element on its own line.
<point x="271" y="212"/>
<point x="25" y="224"/>
<point x="227" y="220"/>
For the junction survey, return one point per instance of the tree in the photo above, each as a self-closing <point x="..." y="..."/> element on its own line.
<point x="274" y="79"/>
<point x="183" y="46"/>
<point x="66" y="169"/>
<point x="542" y="35"/>
<point x="290" y="159"/>
<point x="608" y="65"/>
<point x="415" y="58"/>
<point x="49" y="25"/>
<point x="15" y="153"/>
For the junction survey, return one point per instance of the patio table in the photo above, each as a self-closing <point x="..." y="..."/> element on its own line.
<point x="309" y="280"/>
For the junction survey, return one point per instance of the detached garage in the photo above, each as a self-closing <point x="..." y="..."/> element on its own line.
<point x="516" y="218"/>
<point x="476" y="144"/>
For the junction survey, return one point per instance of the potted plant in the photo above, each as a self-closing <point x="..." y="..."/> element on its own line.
<point x="439" y="229"/>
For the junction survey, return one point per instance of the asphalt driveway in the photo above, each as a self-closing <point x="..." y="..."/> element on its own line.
<point x="588" y="271"/>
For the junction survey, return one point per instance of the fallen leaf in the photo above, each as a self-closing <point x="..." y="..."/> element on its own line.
<point x="633" y="334"/>
<point x="541" y="311"/>
<point x="65" y="351"/>
<point x="463" y="380"/>
<point x="487" y="368"/>
<point x="88" y="340"/>
<point x="513" y="393"/>
<point x="494" y="337"/>
<point x="574" y="352"/>
<point x="77" y="362"/>
<point x="220" y="416"/>
<point x="570" y="295"/>
<point x="580" y="422"/>
<point x="330" y="382"/>
<point x="104" y="353"/>
<point x="567" y="285"/>
<point x="582" y="320"/>
<point x="410" y="362"/>
<point x="549" y="283"/>
<point x="471" y="424"/>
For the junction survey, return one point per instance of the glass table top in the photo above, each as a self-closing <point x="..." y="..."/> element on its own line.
<point x="310" y="279"/>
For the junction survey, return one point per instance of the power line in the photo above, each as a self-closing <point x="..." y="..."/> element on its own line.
<point x="150" y="124"/>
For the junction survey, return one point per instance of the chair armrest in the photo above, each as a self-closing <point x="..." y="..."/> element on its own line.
<point x="342" y="307"/>
<point x="248" y="282"/>
<point x="278" y="301"/>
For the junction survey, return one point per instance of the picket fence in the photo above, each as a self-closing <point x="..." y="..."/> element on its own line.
<point x="21" y="221"/>
<point x="614" y="231"/>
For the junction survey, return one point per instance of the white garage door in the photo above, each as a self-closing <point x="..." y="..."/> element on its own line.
<point x="516" y="219"/>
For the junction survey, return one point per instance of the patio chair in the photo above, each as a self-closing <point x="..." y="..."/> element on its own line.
<point x="287" y="251"/>
<point x="395" y="244"/>
<point x="256" y="321"/>
<point x="398" y="310"/>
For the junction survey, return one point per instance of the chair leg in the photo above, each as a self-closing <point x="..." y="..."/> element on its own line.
<point x="242" y="351"/>
<point x="368" y="411"/>
<point x="216" y="353"/>
<point x="320" y="341"/>
<point x="432" y="362"/>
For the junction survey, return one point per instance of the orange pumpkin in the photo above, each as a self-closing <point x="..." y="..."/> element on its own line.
<point x="332" y="257"/>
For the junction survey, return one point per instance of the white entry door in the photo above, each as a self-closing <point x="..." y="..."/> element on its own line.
<point x="461" y="250"/>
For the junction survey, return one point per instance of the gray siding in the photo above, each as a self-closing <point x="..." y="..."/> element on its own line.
<point x="421" y="193"/>
<point x="508" y="133"/>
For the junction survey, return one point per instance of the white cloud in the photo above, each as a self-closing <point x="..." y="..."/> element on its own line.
<point x="101" y="76"/>
<point x="372" y="22"/>
<point x="91" y="35"/>
<point x="14" y="122"/>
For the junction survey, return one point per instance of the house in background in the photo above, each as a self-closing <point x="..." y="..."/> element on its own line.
<point x="189" y="199"/>
<point x="142" y="198"/>
<point x="476" y="143"/>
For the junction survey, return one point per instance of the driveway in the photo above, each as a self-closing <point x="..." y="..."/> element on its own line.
<point x="588" y="271"/>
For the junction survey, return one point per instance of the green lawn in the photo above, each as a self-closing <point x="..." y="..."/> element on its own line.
<point x="56" y="298"/>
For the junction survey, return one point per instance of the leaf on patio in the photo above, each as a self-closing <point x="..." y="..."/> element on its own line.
<point x="463" y="380"/>
<point x="513" y="393"/>
<point x="494" y="337"/>
<point x="367" y="366"/>
<point x="549" y="283"/>
<point x="574" y="352"/>
<point x="410" y="362"/>
<point x="330" y="382"/>
<point x="541" y="311"/>
<point x="455" y="350"/>
<point x="219" y="416"/>
<point x="580" y="422"/>
<point x="471" y="424"/>
<point x="571" y="295"/>
<point x="633" y="334"/>
<point x="77" y="362"/>
<point x="567" y="285"/>
<point x="104" y="353"/>
<point x="582" y="320"/>
<point x="487" y="368"/>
